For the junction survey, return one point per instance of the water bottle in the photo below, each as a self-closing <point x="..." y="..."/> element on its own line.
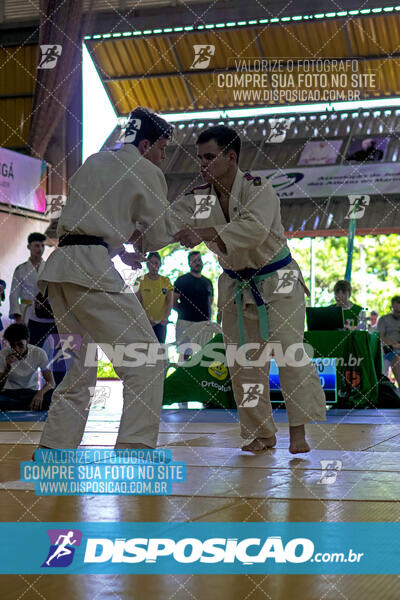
<point x="362" y="320"/>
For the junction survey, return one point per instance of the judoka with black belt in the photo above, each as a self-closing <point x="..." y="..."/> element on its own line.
<point x="109" y="194"/>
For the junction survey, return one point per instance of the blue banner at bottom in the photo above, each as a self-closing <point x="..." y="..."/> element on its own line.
<point x="213" y="548"/>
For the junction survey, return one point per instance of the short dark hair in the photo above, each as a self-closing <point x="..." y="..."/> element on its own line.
<point x="193" y="253"/>
<point x="16" y="332"/>
<point x="395" y="299"/>
<point x="36" y="237"/>
<point x="225" y="137"/>
<point x="144" y="124"/>
<point x="342" y="286"/>
<point x="155" y="254"/>
<point x="374" y="312"/>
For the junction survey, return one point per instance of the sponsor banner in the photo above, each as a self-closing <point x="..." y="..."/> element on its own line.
<point x="320" y="152"/>
<point x="20" y="178"/>
<point x="326" y="368"/>
<point x="214" y="548"/>
<point x="337" y="180"/>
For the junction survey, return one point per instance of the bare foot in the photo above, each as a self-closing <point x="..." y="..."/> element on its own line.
<point x="127" y="445"/>
<point x="298" y="442"/>
<point x="260" y="445"/>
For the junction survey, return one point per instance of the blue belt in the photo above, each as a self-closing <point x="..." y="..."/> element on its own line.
<point x="248" y="278"/>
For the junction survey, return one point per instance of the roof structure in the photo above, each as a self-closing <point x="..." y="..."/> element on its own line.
<point x="144" y="51"/>
<point x="304" y="213"/>
<point x="155" y="66"/>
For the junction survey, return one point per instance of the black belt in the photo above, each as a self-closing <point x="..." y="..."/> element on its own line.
<point x="69" y="239"/>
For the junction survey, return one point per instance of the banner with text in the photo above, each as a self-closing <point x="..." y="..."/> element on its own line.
<point x="337" y="180"/>
<point x="20" y="178"/>
<point x="207" y="547"/>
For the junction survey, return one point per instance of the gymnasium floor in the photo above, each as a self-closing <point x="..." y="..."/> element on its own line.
<point x="222" y="485"/>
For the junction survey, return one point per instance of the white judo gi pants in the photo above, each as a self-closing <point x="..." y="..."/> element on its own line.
<point x="103" y="318"/>
<point x="300" y="385"/>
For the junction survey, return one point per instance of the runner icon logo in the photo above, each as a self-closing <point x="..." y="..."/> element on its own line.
<point x="251" y="394"/>
<point x="62" y="547"/>
<point x="204" y="204"/>
<point x="49" y="55"/>
<point x="278" y="130"/>
<point x="202" y="55"/>
<point x="287" y="280"/>
<point x="132" y="281"/>
<point x="330" y="470"/>
<point x="357" y="206"/>
<point x="98" y="397"/>
<point x="54" y="205"/>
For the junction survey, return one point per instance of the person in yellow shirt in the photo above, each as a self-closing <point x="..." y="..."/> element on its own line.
<point x="156" y="296"/>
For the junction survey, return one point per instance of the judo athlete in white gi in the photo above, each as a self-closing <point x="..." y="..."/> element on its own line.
<point x="108" y="195"/>
<point x="242" y="225"/>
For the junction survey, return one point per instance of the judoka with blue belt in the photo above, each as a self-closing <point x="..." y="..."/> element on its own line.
<point x="260" y="292"/>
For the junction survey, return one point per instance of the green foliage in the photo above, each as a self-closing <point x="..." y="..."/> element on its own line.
<point x="375" y="271"/>
<point x="105" y="370"/>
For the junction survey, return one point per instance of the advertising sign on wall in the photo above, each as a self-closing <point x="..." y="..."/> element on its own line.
<point x="337" y="180"/>
<point x="20" y="178"/>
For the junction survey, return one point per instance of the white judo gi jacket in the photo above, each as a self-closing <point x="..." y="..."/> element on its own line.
<point x="107" y="196"/>
<point x="253" y="237"/>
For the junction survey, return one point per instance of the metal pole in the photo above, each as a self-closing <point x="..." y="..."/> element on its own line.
<point x="312" y="272"/>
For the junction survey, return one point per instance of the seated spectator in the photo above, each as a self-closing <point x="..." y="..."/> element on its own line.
<point x="19" y="364"/>
<point x="373" y="320"/>
<point x="156" y="296"/>
<point x="389" y="330"/>
<point x="351" y="312"/>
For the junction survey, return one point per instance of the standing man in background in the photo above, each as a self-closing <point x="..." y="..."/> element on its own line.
<point x="24" y="290"/>
<point x="156" y="296"/>
<point x="193" y="298"/>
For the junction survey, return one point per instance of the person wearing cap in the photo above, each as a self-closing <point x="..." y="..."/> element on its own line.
<point x="111" y="195"/>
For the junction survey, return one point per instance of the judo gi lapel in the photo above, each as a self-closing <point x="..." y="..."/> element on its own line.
<point x="234" y="200"/>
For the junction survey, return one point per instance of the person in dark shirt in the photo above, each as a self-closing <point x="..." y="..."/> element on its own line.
<point x="193" y="298"/>
<point x="368" y="151"/>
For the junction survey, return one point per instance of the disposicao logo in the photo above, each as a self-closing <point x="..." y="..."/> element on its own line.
<point x="191" y="550"/>
<point x="62" y="547"/>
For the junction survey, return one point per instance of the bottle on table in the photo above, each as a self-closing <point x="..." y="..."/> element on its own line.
<point x="362" y="324"/>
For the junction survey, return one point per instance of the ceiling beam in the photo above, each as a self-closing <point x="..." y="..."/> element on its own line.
<point x="177" y="14"/>
<point x="283" y="64"/>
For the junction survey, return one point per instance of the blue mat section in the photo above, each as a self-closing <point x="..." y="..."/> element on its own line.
<point x="23" y="415"/>
<point x="184" y="415"/>
<point x="367" y="416"/>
